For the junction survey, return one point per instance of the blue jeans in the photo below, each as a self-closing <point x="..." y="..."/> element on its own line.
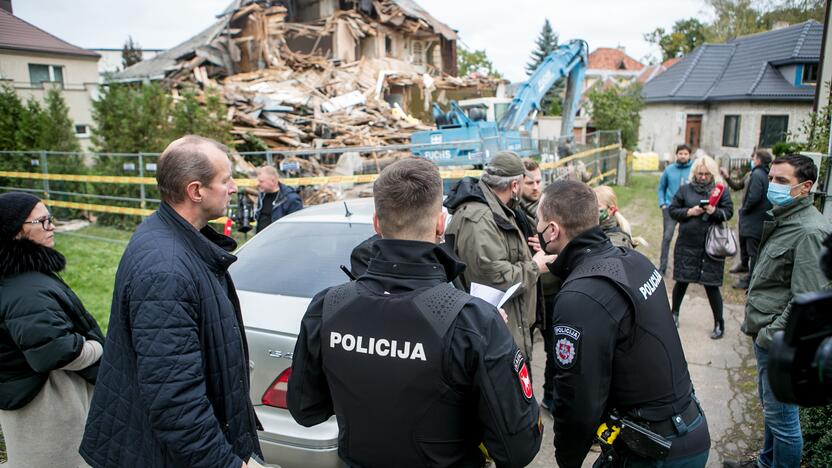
<point x="783" y="442"/>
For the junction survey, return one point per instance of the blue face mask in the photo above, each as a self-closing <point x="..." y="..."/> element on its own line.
<point x="751" y="164"/>
<point x="780" y="194"/>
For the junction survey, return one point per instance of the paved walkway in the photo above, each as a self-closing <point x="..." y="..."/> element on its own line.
<point x="723" y="375"/>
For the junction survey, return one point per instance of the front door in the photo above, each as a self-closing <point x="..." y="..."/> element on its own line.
<point x="693" y="130"/>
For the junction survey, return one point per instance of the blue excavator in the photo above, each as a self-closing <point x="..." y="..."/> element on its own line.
<point x="467" y="138"/>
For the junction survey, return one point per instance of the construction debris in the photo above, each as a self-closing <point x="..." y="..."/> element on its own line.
<point x="331" y="94"/>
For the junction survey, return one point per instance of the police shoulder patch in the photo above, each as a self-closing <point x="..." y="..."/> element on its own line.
<point x="567" y="346"/>
<point x="522" y="371"/>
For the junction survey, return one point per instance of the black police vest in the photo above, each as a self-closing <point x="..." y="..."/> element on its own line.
<point x="382" y="356"/>
<point x="650" y="375"/>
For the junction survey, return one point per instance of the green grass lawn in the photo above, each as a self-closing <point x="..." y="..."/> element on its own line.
<point x="91" y="266"/>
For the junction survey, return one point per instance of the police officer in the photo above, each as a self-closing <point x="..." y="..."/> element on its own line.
<point x="418" y="373"/>
<point x="617" y="351"/>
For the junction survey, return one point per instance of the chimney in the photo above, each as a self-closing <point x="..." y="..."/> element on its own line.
<point x="780" y="25"/>
<point x="6" y="5"/>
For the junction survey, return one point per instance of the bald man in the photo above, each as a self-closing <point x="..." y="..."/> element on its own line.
<point x="275" y="200"/>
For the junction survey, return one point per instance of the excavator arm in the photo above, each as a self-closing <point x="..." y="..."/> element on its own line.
<point x="568" y="60"/>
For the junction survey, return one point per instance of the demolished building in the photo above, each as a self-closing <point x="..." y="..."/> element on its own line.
<point x="320" y="73"/>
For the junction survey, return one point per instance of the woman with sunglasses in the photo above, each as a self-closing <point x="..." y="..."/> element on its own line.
<point x="49" y="344"/>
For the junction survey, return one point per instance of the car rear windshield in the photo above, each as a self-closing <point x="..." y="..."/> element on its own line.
<point x="297" y="259"/>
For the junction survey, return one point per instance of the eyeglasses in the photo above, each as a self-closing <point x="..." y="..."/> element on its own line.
<point x="46" y="222"/>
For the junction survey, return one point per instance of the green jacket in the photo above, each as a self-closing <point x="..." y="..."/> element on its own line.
<point x="549" y="284"/>
<point x="787" y="264"/>
<point x="496" y="254"/>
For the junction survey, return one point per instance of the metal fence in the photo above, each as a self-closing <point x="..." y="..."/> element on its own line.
<point x="119" y="188"/>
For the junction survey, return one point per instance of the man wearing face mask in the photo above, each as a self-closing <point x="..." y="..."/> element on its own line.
<point x="787" y="265"/>
<point x="488" y="233"/>
<point x="617" y="350"/>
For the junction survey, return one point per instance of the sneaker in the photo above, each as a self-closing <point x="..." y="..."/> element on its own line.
<point x="739" y="269"/>
<point x="740" y="464"/>
<point x="547" y="403"/>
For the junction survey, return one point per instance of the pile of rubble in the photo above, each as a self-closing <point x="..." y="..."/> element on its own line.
<point x="293" y="100"/>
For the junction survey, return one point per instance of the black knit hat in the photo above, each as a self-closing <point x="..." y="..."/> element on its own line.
<point x="15" y="207"/>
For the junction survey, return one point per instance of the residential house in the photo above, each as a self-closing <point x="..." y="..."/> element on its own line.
<point x="32" y="61"/>
<point x="397" y="35"/>
<point x="402" y="30"/>
<point x="728" y="99"/>
<point x="611" y="64"/>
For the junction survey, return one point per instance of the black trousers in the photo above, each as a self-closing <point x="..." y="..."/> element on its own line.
<point x="714" y="299"/>
<point x="668" y="228"/>
<point x="743" y="252"/>
<point x="751" y="248"/>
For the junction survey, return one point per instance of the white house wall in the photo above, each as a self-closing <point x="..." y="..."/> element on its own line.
<point x="80" y="77"/>
<point x="663" y="125"/>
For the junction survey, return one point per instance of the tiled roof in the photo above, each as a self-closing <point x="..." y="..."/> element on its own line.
<point x="741" y="69"/>
<point x="16" y="34"/>
<point x="605" y="58"/>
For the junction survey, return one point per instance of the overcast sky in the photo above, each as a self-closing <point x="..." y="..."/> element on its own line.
<point x="505" y="29"/>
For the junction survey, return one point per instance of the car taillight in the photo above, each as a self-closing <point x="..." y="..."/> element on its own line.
<point x="276" y="393"/>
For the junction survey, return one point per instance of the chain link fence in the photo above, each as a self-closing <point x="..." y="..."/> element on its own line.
<point x="119" y="189"/>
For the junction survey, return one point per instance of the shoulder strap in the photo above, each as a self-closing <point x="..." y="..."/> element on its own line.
<point x="337" y="297"/>
<point x="610" y="267"/>
<point x="440" y="306"/>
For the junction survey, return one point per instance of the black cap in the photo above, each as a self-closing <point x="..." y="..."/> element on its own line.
<point x="15" y="207"/>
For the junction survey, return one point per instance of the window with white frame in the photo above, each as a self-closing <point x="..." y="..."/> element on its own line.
<point x="39" y="73"/>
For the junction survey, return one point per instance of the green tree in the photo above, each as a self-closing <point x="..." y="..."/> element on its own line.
<point x="190" y="116"/>
<point x="58" y="130"/>
<point x="734" y="18"/>
<point x="685" y="36"/>
<point x="546" y="43"/>
<point x="131" y="53"/>
<point x="11" y="112"/>
<point x="470" y="61"/>
<point x="131" y="118"/>
<point x="615" y="108"/>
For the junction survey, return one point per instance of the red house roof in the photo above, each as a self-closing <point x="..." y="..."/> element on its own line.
<point x="606" y="58"/>
<point x="17" y="34"/>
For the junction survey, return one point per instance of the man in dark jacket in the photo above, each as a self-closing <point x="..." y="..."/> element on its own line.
<point x="275" y="199"/>
<point x="616" y="348"/>
<point x="173" y="388"/>
<point x="754" y="211"/>
<point x="417" y="373"/>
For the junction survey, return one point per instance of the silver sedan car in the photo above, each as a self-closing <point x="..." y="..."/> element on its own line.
<point x="276" y="275"/>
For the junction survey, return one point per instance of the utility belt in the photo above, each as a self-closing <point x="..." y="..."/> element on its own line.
<point x="649" y="439"/>
<point x="675" y="426"/>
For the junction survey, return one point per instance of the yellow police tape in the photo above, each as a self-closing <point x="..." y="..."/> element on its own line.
<point x="109" y="209"/>
<point x="601" y="176"/>
<point x="290" y="181"/>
